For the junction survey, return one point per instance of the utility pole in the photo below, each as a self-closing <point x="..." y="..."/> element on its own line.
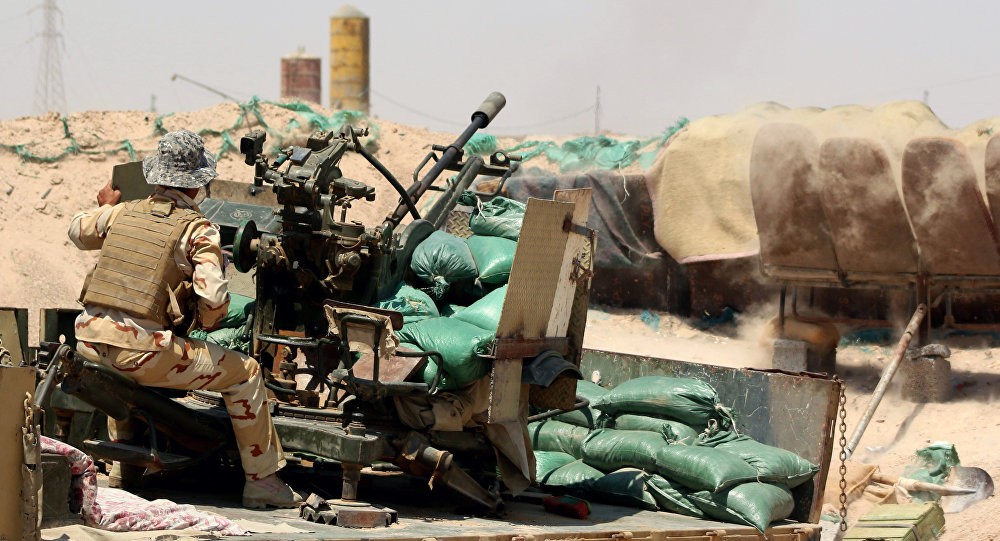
<point x="597" y="112"/>
<point x="926" y="95"/>
<point x="206" y="87"/>
<point x="152" y="103"/>
<point x="49" y="93"/>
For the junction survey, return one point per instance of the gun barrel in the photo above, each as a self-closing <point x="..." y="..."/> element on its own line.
<point x="480" y="119"/>
<point x="490" y="107"/>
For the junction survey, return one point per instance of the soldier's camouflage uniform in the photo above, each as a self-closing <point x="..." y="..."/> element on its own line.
<point x="151" y="354"/>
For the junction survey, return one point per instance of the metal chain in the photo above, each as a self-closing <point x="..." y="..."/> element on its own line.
<point x="843" y="454"/>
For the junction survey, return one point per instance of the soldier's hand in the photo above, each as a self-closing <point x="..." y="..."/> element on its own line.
<point x="108" y="195"/>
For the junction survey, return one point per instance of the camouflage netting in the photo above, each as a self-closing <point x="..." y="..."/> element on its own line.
<point x="596" y="152"/>
<point x="56" y="137"/>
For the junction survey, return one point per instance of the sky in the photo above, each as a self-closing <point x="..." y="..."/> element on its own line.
<point x="432" y="63"/>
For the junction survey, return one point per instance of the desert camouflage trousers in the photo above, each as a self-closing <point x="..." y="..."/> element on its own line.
<point x="189" y="363"/>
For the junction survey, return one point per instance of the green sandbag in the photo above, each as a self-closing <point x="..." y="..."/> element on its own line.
<point x="449" y="310"/>
<point x="690" y="401"/>
<point x="552" y="435"/>
<point x="588" y="416"/>
<point x="240" y="308"/>
<point x="575" y="475"/>
<point x="671" y="496"/>
<point x="753" y="504"/>
<point x="499" y="217"/>
<point x="415" y="305"/>
<point x="547" y="462"/>
<point x="494" y="256"/>
<point x="626" y="487"/>
<point x="608" y="450"/>
<point x="673" y="431"/>
<point x="442" y="260"/>
<point x="703" y="468"/>
<point x="234" y="339"/>
<point x="485" y="313"/>
<point x="773" y="464"/>
<point x="458" y="343"/>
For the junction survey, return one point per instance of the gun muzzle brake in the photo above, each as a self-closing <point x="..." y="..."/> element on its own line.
<point x="490" y="107"/>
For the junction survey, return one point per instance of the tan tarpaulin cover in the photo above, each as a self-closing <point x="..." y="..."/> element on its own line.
<point x="699" y="183"/>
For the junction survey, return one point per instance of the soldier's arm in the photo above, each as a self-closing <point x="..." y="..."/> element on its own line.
<point x="88" y="229"/>
<point x="207" y="276"/>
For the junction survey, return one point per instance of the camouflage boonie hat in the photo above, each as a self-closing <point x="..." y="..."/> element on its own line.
<point x="181" y="161"/>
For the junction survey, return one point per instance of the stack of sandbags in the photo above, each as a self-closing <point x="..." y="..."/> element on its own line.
<point x="453" y="302"/>
<point x="668" y="443"/>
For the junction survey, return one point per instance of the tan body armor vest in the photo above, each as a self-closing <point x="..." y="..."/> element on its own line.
<point x="136" y="272"/>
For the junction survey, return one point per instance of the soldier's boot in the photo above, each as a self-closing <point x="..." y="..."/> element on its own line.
<point x="269" y="491"/>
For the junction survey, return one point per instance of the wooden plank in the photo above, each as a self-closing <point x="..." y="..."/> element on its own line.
<point x="950" y="220"/>
<point x="531" y="292"/>
<point x="535" y="272"/>
<point x="573" y="255"/>
<point x="505" y="391"/>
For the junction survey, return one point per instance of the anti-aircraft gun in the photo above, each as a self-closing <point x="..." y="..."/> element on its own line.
<point x="317" y="276"/>
<point x="319" y="257"/>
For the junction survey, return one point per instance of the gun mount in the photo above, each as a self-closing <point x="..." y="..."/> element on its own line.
<point x="320" y="259"/>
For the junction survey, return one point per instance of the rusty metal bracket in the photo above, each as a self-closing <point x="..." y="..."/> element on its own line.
<point x="580" y="271"/>
<point x="519" y="348"/>
<point x="569" y="227"/>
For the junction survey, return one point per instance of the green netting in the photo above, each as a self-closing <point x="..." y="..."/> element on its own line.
<point x="598" y="152"/>
<point x="933" y="465"/>
<point x="249" y="109"/>
<point x="235" y="338"/>
<point x="481" y="143"/>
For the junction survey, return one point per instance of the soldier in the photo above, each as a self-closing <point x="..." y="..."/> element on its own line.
<point x="157" y="254"/>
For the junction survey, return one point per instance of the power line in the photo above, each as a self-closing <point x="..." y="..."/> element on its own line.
<point x="588" y="109"/>
<point x="49" y="92"/>
<point x="414" y="111"/>
<point x="925" y="87"/>
<point x="500" y="125"/>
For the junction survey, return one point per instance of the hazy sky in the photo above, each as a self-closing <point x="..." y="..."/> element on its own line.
<point x="655" y="61"/>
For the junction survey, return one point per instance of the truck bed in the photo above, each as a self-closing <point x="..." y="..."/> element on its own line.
<point x="438" y="515"/>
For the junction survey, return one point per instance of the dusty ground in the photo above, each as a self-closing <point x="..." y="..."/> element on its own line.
<point x="899" y="427"/>
<point x="39" y="268"/>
